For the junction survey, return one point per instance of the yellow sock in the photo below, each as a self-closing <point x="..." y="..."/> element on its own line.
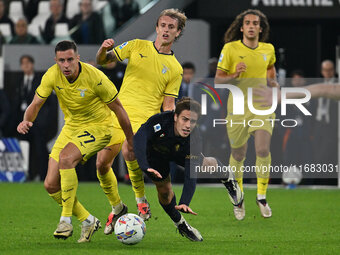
<point x="56" y="197"/>
<point x="262" y="173"/>
<point x="78" y="209"/>
<point x="69" y="185"/>
<point x="136" y="177"/>
<point x="108" y="182"/>
<point x="234" y="164"/>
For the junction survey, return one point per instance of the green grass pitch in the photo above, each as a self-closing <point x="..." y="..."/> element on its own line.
<point x="304" y="222"/>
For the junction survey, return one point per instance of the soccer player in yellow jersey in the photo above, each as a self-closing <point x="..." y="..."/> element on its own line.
<point x="247" y="61"/>
<point x="87" y="98"/>
<point x="152" y="80"/>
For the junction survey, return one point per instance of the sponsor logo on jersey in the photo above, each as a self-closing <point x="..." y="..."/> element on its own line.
<point x="264" y="57"/>
<point x="123" y="45"/>
<point x="142" y="56"/>
<point x="157" y="127"/>
<point x="220" y="59"/>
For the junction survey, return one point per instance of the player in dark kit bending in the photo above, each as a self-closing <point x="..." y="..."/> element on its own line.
<point x="166" y="137"/>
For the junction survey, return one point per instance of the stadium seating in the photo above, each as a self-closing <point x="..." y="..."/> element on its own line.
<point x="16" y="11"/>
<point x="43" y="14"/>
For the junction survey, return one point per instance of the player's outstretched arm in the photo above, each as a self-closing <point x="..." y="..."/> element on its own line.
<point x="124" y="121"/>
<point x="30" y="115"/>
<point x="105" y="54"/>
<point x="185" y="209"/>
<point x="331" y="91"/>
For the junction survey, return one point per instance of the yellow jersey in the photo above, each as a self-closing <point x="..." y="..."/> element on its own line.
<point x="257" y="61"/>
<point x="149" y="76"/>
<point x="83" y="101"/>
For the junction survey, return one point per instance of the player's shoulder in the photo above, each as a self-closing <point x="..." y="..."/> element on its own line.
<point x="266" y="46"/>
<point x="163" y="118"/>
<point x="231" y="46"/>
<point x="90" y="69"/>
<point x="53" y="70"/>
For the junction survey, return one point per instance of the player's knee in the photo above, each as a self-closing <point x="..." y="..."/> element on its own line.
<point x="262" y="152"/>
<point x="51" y="187"/>
<point x="103" y="166"/>
<point x="128" y="155"/>
<point x="238" y="156"/>
<point x="165" y="196"/>
<point x="65" y="161"/>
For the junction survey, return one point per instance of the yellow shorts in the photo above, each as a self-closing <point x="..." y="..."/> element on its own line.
<point x="240" y="128"/>
<point x="118" y="136"/>
<point x="88" y="139"/>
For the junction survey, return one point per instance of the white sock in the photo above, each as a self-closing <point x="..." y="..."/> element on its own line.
<point x="259" y="197"/>
<point x="141" y="199"/>
<point x="180" y="221"/>
<point x="89" y="220"/>
<point x="66" y="219"/>
<point x="117" y="208"/>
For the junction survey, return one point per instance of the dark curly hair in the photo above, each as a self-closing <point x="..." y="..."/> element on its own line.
<point x="234" y="31"/>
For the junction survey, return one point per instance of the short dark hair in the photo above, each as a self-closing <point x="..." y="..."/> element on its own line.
<point x="65" y="45"/>
<point x="188" y="65"/>
<point x="28" y="57"/>
<point x="187" y="103"/>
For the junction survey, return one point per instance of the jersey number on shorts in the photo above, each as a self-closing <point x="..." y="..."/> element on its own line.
<point x="92" y="138"/>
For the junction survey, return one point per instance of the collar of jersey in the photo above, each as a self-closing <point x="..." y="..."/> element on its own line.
<point x="170" y="54"/>
<point x="258" y="44"/>
<point x="77" y="76"/>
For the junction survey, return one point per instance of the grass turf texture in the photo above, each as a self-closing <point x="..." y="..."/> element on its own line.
<point x="304" y="222"/>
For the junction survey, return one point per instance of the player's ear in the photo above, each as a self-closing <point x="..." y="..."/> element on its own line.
<point x="175" y="117"/>
<point x="241" y="29"/>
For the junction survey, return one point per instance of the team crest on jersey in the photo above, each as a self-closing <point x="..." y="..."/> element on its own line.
<point x="123" y="45"/>
<point x="165" y="69"/>
<point x="264" y="57"/>
<point x="157" y="127"/>
<point x="177" y="147"/>
<point x="220" y="59"/>
<point x="82" y="92"/>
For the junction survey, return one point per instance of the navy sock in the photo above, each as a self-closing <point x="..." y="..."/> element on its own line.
<point x="171" y="210"/>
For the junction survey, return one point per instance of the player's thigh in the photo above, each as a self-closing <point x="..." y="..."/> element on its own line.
<point x="106" y="156"/>
<point x="262" y="142"/>
<point x="70" y="156"/>
<point x="91" y="139"/>
<point x="237" y="130"/>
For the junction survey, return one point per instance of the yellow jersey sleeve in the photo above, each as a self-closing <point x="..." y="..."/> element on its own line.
<point x="272" y="59"/>
<point x="105" y="89"/>
<point x="45" y="88"/>
<point x="124" y="50"/>
<point x="172" y="89"/>
<point x="224" y="63"/>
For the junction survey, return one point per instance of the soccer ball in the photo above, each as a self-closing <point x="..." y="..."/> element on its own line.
<point x="130" y="229"/>
<point x="292" y="176"/>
